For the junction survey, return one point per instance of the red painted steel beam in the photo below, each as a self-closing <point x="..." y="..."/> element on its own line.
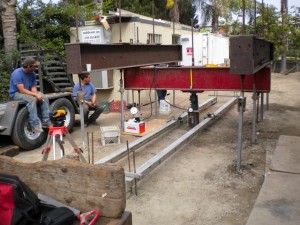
<point x="203" y="79"/>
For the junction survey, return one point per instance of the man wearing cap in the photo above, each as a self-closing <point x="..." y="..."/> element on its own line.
<point x="23" y="87"/>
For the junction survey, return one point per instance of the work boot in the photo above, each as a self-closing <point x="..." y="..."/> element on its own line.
<point x="37" y="129"/>
<point x="46" y="125"/>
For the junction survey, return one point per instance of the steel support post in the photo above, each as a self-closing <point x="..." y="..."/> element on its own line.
<point x="257" y="108"/>
<point x="139" y="96"/>
<point x="254" y="97"/>
<point x="132" y="93"/>
<point x="156" y="97"/>
<point x="262" y="107"/>
<point x="174" y="97"/>
<point x="122" y="99"/>
<point x="240" y="127"/>
<point x="267" y="103"/>
<point x="80" y="100"/>
<point x="155" y="102"/>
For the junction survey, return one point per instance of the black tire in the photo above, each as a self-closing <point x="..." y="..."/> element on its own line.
<point x="22" y="134"/>
<point x="65" y="104"/>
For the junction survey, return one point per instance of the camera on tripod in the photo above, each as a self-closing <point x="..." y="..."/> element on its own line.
<point x="58" y="117"/>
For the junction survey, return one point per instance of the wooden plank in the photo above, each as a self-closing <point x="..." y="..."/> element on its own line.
<point x="79" y="185"/>
<point x="278" y="201"/>
<point x="287" y="155"/>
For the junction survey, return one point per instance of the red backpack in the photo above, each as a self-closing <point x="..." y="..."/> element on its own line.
<point x="19" y="205"/>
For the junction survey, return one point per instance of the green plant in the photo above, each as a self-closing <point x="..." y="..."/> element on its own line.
<point x="7" y="62"/>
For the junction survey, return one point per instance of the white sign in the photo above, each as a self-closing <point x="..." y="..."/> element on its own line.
<point x="92" y="36"/>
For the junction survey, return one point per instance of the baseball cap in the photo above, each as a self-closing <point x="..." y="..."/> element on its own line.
<point x="30" y="61"/>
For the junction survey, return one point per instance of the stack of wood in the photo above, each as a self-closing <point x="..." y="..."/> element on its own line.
<point x="79" y="185"/>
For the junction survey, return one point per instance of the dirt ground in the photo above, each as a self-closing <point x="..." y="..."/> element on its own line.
<point x="198" y="185"/>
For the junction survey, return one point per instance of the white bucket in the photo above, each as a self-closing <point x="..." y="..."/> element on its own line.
<point x="164" y="106"/>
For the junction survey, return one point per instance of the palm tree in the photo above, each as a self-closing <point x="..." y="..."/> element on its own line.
<point x="211" y="10"/>
<point x="174" y="10"/>
<point x="284" y="15"/>
<point x="9" y="24"/>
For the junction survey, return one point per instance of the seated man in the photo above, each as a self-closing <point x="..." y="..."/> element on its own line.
<point x="89" y="104"/>
<point x="23" y="87"/>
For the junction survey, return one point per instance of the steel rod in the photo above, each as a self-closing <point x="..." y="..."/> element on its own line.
<point x="92" y="147"/>
<point x="122" y="99"/>
<point x="254" y="97"/>
<point x="267" y="102"/>
<point x="128" y="155"/>
<point x="240" y="126"/>
<point x="262" y="107"/>
<point x="134" y="170"/>
<point x="88" y="147"/>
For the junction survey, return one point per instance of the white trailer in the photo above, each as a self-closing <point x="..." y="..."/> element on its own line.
<point x="208" y="49"/>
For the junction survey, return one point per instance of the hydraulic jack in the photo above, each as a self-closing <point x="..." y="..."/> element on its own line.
<point x="57" y="133"/>
<point x="193" y="111"/>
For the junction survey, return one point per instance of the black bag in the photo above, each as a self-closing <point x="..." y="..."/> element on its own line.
<point x="58" y="216"/>
<point x="19" y="204"/>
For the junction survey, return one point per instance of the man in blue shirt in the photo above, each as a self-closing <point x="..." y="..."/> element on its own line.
<point x="23" y="87"/>
<point x="89" y="104"/>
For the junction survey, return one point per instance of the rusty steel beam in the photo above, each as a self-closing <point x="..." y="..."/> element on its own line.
<point x="248" y="54"/>
<point x="118" y="56"/>
<point x="194" y="79"/>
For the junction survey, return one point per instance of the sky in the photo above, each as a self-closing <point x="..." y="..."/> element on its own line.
<point x="276" y="3"/>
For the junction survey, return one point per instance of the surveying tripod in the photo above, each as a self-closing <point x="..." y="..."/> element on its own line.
<point x="57" y="132"/>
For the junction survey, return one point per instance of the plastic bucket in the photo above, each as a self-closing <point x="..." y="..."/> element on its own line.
<point x="164" y="107"/>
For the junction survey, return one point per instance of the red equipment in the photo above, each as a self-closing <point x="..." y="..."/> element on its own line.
<point x="88" y="218"/>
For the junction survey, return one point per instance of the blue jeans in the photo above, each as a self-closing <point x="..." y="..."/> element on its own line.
<point x="32" y="108"/>
<point x="97" y="111"/>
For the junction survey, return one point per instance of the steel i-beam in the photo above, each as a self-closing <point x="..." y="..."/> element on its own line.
<point x="118" y="56"/>
<point x="248" y="54"/>
<point x="204" y="79"/>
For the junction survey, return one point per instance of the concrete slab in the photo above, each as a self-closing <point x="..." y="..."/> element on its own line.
<point x="278" y="201"/>
<point x="287" y="155"/>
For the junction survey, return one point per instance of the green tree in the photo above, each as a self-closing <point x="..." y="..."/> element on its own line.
<point x="188" y="11"/>
<point x="284" y="16"/>
<point x="211" y="10"/>
<point x="46" y="25"/>
<point x="7" y="61"/>
<point x="294" y="36"/>
<point x="159" y="9"/>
